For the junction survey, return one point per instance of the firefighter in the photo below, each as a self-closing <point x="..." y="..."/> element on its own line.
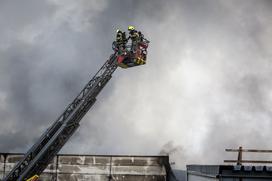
<point x="124" y="38"/>
<point x="121" y="39"/>
<point x="134" y="36"/>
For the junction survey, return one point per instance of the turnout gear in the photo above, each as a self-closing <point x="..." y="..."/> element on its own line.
<point x="121" y="39"/>
<point x="124" y="37"/>
<point x="133" y="54"/>
<point x="134" y="36"/>
<point x="118" y="36"/>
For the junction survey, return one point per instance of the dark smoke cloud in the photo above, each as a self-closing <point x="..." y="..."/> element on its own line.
<point x="206" y="86"/>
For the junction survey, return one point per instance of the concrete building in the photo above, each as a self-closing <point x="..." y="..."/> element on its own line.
<point x="228" y="173"/>
<point x="66" y="167"/>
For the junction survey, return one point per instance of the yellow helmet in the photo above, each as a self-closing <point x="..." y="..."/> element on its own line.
<point x="131" y="28"/>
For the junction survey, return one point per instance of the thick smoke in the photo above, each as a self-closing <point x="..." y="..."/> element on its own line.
<point x="206" y="87"/>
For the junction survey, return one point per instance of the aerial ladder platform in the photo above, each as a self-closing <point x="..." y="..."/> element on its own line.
<point x="54" y="138"/>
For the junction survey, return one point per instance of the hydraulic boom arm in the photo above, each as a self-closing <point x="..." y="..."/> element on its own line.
<point x="49" y="144"/>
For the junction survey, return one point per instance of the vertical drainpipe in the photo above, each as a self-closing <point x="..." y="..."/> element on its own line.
<point x="5" y="158"/>
<point x="110" y="176"/>
<point x="240" y="156"/>
<point x="57" y="167"/>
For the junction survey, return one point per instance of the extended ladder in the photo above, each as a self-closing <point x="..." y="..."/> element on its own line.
<point x="49" y="144"/>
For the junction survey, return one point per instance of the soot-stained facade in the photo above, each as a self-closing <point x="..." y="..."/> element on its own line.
<point x="66" y="167"/>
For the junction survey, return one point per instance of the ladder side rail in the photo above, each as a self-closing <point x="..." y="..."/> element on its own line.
<point x="58" y="123"/>
<point x="45" y="158"/>
<point x="29" y="155"/>
<point x="69" y="107"/>
<point x="46" y="136"/>
<point x="62" y="136"/>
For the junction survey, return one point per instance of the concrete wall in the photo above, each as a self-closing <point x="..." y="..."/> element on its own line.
<point x="1" y="166"/>
<point x="91" y="167"/>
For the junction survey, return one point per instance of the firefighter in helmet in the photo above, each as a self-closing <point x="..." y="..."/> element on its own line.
<point x="134" y="36"/>
<point x="121" y="39"/>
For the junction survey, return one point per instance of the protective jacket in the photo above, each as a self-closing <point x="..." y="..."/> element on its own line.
<point x="134" y="35"/>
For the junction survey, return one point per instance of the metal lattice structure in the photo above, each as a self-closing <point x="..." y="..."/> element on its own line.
<point x="49" y="144"/>
<point x="240" y="159"/>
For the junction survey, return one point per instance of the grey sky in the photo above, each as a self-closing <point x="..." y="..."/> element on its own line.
<point x="207" y="84"/>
